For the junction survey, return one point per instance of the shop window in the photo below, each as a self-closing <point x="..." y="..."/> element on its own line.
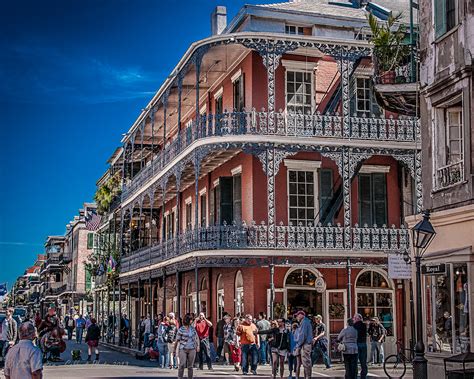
<point x="372" y="199"/>
<point x="299" y="90"/>
<point x="445" y="17"/>
<point x="447" y="310"/>
<point x="301" y="195"/>
<point x="239" y="294"/>
<point x="220" y="297"/>
<point x="301" y="277"/>
<point x="375" y="298"/>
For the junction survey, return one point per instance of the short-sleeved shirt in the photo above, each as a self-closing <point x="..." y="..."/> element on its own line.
<point x="186" y="338"/>
<point x="22" y="360"/>
<point x="202" y="329"/>
<point x="247" y="334"/>
<point x="263" y="325"/>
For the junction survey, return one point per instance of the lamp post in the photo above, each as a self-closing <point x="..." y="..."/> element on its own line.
<point x="422" y="235"/>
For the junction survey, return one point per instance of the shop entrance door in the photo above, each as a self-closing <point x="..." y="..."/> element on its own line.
<point x="308" y="300"/>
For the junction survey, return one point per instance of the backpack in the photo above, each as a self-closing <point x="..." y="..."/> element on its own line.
<point x="171" y="334"/>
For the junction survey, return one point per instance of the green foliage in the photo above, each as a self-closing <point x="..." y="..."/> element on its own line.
<point x="106" y="193"/>
<point x="388" y="40"/>
<point x="100" y="257"/>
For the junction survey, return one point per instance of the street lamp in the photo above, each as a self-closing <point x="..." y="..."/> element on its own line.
<point x="422" y="235"/>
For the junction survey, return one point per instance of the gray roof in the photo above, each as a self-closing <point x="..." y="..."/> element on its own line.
<point x="322" y="7"/>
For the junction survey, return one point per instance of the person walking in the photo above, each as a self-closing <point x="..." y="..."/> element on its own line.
<point x="146" y="329"/>
<point x="9" y="333"/>
<point x="80" y="325"/>
<point x="377" y="335"/>
<point x="294" y="364"/>
<point x="320" y="342"/>
<point x="162" y="343"/>
<point x="263" y="325"/>
<point x="124" y="329"/>
<point x="348" y="338"/>
<point x="249" y="343"/>
<point x="304" y="342"/>
<point x="361" y="328"/>
<point x="70" y="324"/>
<point x="171" y="332"/>
<point x="202" y="325"/>
<point x="24" y="360"/>
<point x="220" y="336"/>
<point x="187" y="344"/>
<point x="229" y="333"/>
<point x="279" y="346"/>
<point x="92" y="340"/>
<point x="234" y="344"/>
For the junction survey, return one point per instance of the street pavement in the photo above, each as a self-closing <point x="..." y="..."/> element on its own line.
<point x="116" y="364"/>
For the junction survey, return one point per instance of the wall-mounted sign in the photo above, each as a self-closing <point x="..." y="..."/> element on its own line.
<point x="434" y="269"/>
<point x="398" y="268"/>
<point x="320" y="285"/>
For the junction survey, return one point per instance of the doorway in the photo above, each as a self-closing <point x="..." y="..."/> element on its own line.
<point x="307" y="300"/>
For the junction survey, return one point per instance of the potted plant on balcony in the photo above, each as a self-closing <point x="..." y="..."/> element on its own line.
<point x="389" y="49"/>
<point x="106" y="193"/>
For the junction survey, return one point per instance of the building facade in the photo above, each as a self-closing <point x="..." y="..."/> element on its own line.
<point x="446" y="80"/>
<point x="264" y="176"/>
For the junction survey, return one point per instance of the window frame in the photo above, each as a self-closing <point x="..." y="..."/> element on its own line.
<point x="372" y="201"/>
<point x="315" y="193"/>
<point x="297" y="28"/>
<point x="367" y="90"/>
<point x="296" y="69"/>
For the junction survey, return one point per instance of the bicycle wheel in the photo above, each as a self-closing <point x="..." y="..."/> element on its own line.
<point x="394" y="367"/>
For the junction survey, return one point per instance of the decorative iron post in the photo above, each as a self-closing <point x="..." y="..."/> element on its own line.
<point x="196" y="280"/>
<point x="272" y="291"/>
<point x="346" y="193"/>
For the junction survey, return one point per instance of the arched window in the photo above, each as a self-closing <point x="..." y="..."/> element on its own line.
<point x="239" y="293"/>
<point x="301" y="291"/>
<point x="220" y="297"/>
<point x="203" y="296"/>
<point x="301" y="277"/>
<point x="375" y="298"/>
<point x="190" y="298"/>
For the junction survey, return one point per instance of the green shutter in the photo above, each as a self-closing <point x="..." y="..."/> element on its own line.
<point x="325" y="193"/>
<point x="226" y="200"/>
<point x="90" y="240"/>
<point x="365" y="207"/>
<point x="237" y="199"/>
<point x="439" y="17"/>
<point x="88" y="281"/>
<point x="379" y="199"/>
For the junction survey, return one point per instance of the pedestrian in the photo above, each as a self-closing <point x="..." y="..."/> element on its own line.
<point x="124" y="329"/>
<point x="171" y="332"/>
<point x="172" y="316"/>
<point x="279" y="346"/>
<point x="377" y="335"/>
<point x="162" y="343"/>
<point x="229" y="333"/>
<point x="9" y="333"/>
<point x="304" y="342"/>
<point x="293" y="360"/>
<point x="320" y="342"/>
<point x="348" y="346"/>
<point x="220" y="336"/>
<point x="37" y="319"/>
<point x="146" y="329"/>
<point x="151" y="349"/>
<point x="141" y="332"/>
<point x="70" y="324"/>
<point x="80" y="325"/>
<point x="249" y="343"/>
<point x="262" y="325"/>
<point x="202" y="325"/>
<point x="361" y="328"/>
<point x="187" y="344"/>
<point x="234" y="344"/>
<point x="24" y="360"/>
<point x="92" y="340"/>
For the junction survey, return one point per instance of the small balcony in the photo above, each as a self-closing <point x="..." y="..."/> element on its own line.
<point x="255" y="237"/>
<point x="295" y="125"/>
<point x="449" y="175"/>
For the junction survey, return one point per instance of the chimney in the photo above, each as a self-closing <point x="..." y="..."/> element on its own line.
<point x="218" y="20"/>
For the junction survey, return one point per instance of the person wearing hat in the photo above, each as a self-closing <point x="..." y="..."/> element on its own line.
<point x="377" y="335"/>
<point x="320" y="342"/>
<point x="304" y="342"/>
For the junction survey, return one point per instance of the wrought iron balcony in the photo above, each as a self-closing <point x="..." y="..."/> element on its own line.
<point x="449" y="175"/>
<point x="255" y="237"/>
<point x="295" y="125"/>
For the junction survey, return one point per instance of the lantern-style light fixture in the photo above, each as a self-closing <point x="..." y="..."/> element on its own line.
<point x="422" y="234"/>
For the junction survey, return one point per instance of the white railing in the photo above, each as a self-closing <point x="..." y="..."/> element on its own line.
<point x="449" y="175"/>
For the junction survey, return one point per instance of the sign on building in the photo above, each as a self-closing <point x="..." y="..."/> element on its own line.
<point x="434" y="269"/>
<point x="398" y="268"/>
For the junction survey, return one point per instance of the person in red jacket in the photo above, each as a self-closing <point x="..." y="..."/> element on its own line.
<point x="202" y="325"/>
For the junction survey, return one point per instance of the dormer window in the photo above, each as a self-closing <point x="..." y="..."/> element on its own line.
<point x="293" y="29"/>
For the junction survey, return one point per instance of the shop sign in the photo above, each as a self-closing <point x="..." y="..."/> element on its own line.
<point x="398" y="268"/>
<point x="320" y="285"/>
<point x="434" y="269"/>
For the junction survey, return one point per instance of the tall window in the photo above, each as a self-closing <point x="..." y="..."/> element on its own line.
<point x="90" y="240"/>
<point x="237" y="198"/>
<point x="363" y="95"/>
<point x="239" y="93"/>
<point x="189" y="216"/>
<point x="212" y="206"/>
<point x="445" y="16"/>
<point x="301" y="197"/>
<point x="169" y="225"/>
<point x="219" y="106"/>
<point x="325" y="195"/>
<point x="299" y="92"/>
<point x="372" y="199"/>
<point x="239" y="294"/>
<point x="293" y="29"/>
<point x="220" y="297"/>
<point x="453" y="117"/>
<point x="203" y="207"/>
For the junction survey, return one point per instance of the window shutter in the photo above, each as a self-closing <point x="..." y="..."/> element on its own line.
<point x="439" y="17"/>
<point x="365" y="209"/>
<point x="352" y="95"/>
<point x="325" y="193"/>
<point x="237" y="199"/>
<point x="379" y="199"/>
<point x="226" y="200"/>
<point x="90" y="240"/>
<point x="374" y="106"/>
<point x="242" y="93"/>
<point x="212" y="204"/>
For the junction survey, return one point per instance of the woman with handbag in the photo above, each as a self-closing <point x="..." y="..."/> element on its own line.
<point x="186" y="345"/>
<point x="347" y="339"/>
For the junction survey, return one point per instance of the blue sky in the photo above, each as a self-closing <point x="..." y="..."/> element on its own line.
<point x="74" y="75"/>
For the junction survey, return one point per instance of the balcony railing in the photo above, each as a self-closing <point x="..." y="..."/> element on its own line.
<point x="255" y="237"/>
<point x="449" y="175"/>
<point x="285" y="124"/>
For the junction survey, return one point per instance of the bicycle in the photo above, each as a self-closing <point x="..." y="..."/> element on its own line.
<point x="395" y="365"/>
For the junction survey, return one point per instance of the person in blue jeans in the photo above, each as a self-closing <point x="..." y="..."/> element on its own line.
<point x="361" y="328"/>
<point x="249" y="343"/>
<point x="80" y="325"/>
<point x="162" y="344"/>
<point x="320" y="342"/>
<point x="262" y="325"/>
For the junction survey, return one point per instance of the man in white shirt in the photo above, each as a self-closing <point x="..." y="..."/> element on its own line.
<point x="147" y="332"/>
<point x="24" y="360"/>
<point x="9" y="333"/>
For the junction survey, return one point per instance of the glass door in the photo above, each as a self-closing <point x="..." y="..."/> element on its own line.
<point x="336" y="301"/>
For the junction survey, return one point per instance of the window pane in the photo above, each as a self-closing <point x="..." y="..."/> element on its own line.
<point x="295" y="278"/>
<point x="461" y="308"/>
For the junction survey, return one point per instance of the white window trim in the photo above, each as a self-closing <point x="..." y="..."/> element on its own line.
<point x="236" y="170"/>
<point x="302" y="165"/>
<point x="374" y="169"/>
<point x="203" y="191"/>
<point x="218" y="93"/>
<point x="365" y="77"/>
<point x="216" y="182"/>
<point x="313" y="99"/>
<point x="166" y="213"/>
<point x="203" y="109"/>
<point x="299" y="65"/>
<point x="188" y="200"/>
<point x="236" y="76"/>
